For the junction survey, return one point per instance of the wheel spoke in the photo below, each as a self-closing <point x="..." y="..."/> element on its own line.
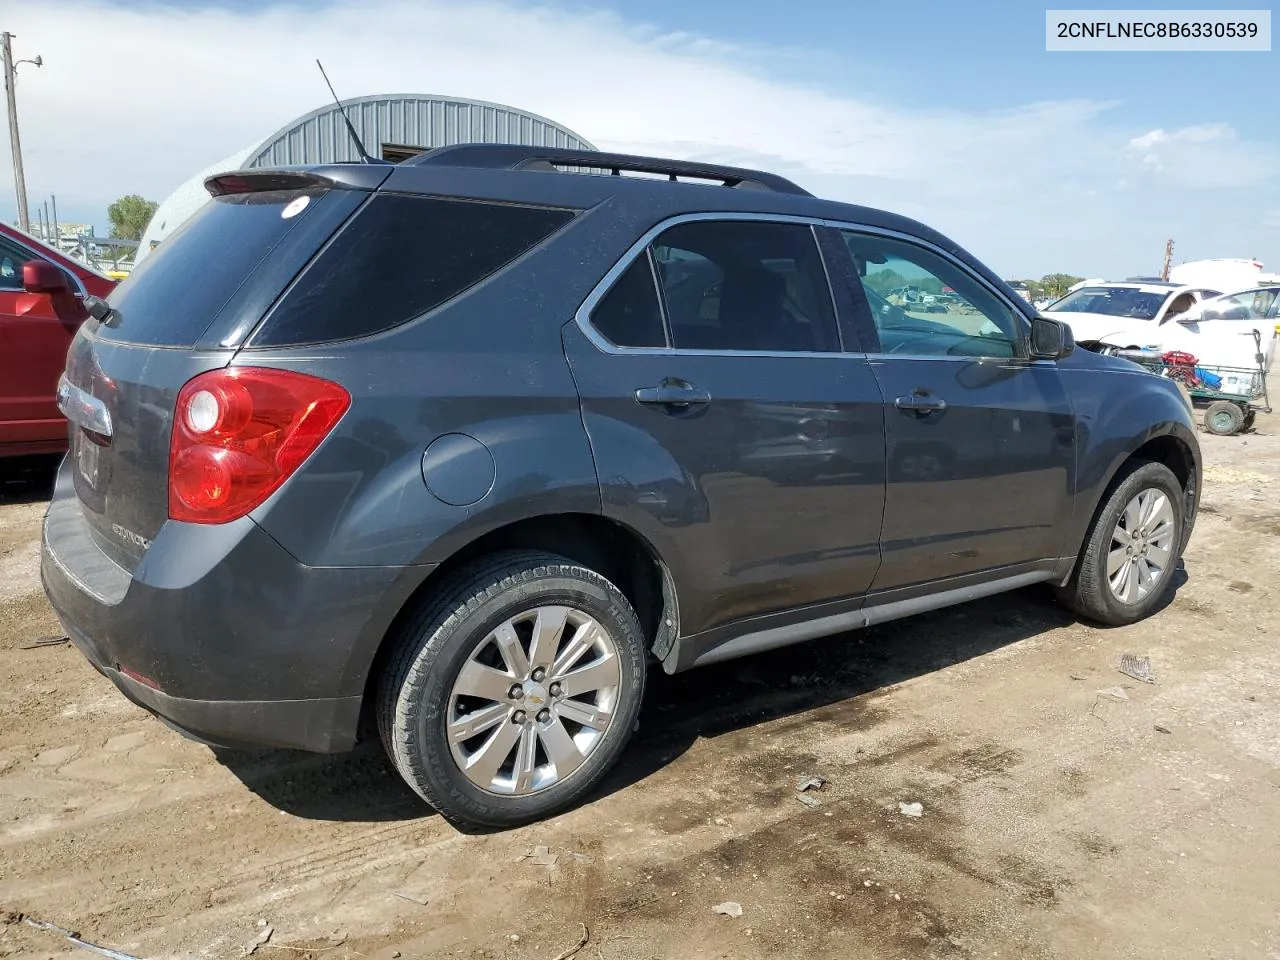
<point x="600" y="673"/>
<point x="477" y="722"/>
<point x="1159" y="557"/>
<point x="583" y="639"/>
<point x="526" y="758"/>
<point x="1132" y="516"/>
<point x="482" y="766"/>
<point x="561" y="750"/>
<point x="584" y="713"/>
<point x="547" y="631"/>
<point x="1161" y="513"/>
<point x="1121" y="536"/>
<point x="1120" y="582"/>
<point x="1131" y="582"/>
<point x="477" y="680"/>
<point x="1115" y="560"/>
<point x="512" y="650"/>
<point x="1144" y="576"/>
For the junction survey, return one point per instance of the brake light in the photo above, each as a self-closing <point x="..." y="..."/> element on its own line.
<point x="239" y="433"/>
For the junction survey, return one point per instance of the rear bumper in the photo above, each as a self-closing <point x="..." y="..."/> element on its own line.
<point x="240" y="644"/>
<point x="322" y="726"/>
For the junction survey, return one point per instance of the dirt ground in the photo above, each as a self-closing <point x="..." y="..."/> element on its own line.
<point x="1068" y="811"/>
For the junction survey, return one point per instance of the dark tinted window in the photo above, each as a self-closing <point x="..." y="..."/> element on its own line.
<point x="12" y="257"/>
<point x="400" y="257"/>
<point x="629" y="315"/>
<point x="174" y="294"/>
<point x="745" y="285"/>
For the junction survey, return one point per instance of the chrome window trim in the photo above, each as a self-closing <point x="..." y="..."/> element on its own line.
<point x="81" y="290"/>
<point x="583" y="315"/>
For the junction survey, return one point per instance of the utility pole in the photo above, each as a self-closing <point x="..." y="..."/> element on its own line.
<point x="15" y="143"/>
<point x="1168" y="259"/>
<point x="57" y="232"/>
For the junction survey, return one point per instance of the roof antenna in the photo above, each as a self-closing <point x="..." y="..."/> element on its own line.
<point x="355" y="137"/>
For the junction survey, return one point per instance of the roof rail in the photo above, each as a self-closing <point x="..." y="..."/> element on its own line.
<point x="503" y="156"/>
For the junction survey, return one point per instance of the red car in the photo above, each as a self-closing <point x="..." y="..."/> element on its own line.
<point x="41" y="307"/>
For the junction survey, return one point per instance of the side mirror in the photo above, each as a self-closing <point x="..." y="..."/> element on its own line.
<point x="41" y="276"/>
<point x="1050" y="340"/>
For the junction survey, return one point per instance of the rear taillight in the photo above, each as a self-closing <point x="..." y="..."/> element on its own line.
<point x="241" y="432"/>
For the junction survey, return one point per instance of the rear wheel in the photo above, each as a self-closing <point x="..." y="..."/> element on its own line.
<point x="1132" y="549"/>
<point x="515" y="691"/>
<point x="1224" y="418"/>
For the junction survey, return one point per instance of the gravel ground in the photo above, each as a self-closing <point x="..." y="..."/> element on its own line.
<point x="1067" y="811"/>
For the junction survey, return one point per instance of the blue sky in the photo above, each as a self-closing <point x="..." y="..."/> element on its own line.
<point x="951" y="112"/>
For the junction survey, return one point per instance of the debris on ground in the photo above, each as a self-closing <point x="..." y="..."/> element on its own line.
<point x="580" y="857"/>
<point x="1116" y="693"/>
<point x="911" y="809"/>
<point x="1139" y="668"/>
<point x="811" y="802"/>
<point x="74" y="938"/>
<point x="540" y="857"/>
<point x="582" y="942"/>
<point x="1161" y="728"/>
<point x="45" y="642"/>
<point x="265" y="930"/>
<point x="729" y="908"/>
<point x="810" y="781"/>
<point x="420" y="901"/>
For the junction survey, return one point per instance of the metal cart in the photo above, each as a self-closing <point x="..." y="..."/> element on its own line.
<point x="1229" y="396"/>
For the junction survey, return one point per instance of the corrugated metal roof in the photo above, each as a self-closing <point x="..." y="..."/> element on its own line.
<point x="403" y="119"/>
<point x="409" y="120"/>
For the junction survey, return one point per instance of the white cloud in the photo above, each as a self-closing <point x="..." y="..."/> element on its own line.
<point x="136" y="97"/>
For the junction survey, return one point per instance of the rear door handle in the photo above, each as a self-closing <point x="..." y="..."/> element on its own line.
<point x="920" y="404"/>
<point x="672" y="393"/>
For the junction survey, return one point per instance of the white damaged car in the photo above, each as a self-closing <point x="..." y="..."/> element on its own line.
<point x="1149" y="315"/>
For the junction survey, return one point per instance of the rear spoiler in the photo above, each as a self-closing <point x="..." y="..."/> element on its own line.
<point x="329" y="177"/>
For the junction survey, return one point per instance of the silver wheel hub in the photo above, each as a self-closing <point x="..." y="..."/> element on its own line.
<point x="533" y="700"/>
<point x="1141" y="546"/>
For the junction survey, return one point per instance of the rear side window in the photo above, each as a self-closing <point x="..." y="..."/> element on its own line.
<point x="400" y="257"/>
<point x="745" y="285"/>
<point x="175" y="293"/>
<point x="629" y="314"/>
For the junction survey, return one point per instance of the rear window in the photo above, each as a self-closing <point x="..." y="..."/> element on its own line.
<point x="177" y="291"/>
<point x="400" y="257"/>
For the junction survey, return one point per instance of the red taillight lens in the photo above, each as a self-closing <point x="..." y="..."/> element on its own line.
<point x="240" y="433"/>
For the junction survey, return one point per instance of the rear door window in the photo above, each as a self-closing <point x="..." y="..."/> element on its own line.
<point x="745" y="285"/>
<point x="173" y="296"/>
<point x="400" y="257"/>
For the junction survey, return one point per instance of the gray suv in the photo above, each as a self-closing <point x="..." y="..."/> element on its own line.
<point x="464" y="445"/>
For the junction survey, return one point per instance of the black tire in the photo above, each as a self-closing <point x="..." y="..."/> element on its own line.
<point x="1224" y="418"/>
<point x="414" y="692"/>
<point x="1088" y="592"/>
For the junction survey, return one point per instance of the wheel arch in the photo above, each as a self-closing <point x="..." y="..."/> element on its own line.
<point x="614" y="550"/>
<point x="1173" y="445"/>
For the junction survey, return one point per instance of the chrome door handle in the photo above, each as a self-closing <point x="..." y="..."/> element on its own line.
<point x="920" y="404"/>
<point x="672" y="393"/>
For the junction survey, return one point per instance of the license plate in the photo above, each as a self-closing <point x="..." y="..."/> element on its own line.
<point x="87" y="459"/>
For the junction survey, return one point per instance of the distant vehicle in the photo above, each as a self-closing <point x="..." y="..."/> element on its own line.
<point x="1225" y="274"/>
<point x="41" y="306"/>
<point x="1107" y="312"/>
<point x="619" y="421"/>
<point x="1216" y="330"/>
<point x="1022" y="290"/>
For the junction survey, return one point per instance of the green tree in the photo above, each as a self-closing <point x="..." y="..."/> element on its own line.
<point x="130" y="215"/>
<point x="1056" y="284"/>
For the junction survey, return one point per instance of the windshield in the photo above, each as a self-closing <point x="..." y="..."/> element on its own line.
<point x="1113" y="301"/>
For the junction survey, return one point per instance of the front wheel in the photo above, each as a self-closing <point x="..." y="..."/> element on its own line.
<point x="1129" y="556"/>
<point x="512" y="694"/>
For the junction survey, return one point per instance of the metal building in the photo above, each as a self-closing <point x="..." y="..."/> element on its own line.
<point x="393" y="126"/>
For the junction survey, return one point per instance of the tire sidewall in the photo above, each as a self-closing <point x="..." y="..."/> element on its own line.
<point x="1148" y="476"/>
<point x="420" y="742"/>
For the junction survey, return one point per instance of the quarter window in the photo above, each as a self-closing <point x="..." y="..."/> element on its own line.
<point x="923" y="304"/>
<point x="629" y="314"/>
<point x="745" y="285"/>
